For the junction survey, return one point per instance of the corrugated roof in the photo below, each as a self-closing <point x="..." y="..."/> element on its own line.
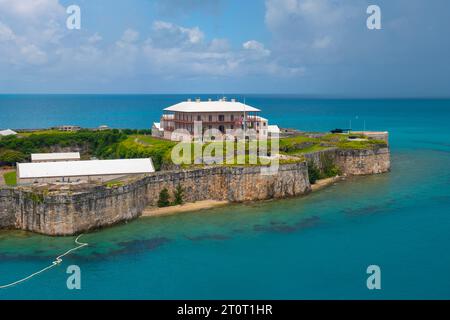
<point x="211" y="106"/>
<point x="55" y="156"/>
<point x="84" y="168"/>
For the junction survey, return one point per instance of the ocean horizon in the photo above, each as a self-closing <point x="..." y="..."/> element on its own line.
<point x="313" y="247"/>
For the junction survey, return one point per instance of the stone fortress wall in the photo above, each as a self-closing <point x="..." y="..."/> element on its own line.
<point x="69" y="214"/>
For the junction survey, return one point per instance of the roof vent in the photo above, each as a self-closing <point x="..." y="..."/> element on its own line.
<point x="189" y="100"/>
<point x="233" y="100"/>
<point x="209" y="99"/>
<point x="197" y="100"/>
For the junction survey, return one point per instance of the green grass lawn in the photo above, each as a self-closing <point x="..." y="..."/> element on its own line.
<point x="10" y="178"/>
<point x="41" y="132"/>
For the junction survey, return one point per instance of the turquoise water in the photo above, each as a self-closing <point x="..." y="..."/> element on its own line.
<point x="317" y="246"/>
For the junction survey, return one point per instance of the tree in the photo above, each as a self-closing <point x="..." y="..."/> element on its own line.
<point x="163" y="200"/>
<point x="313" y="172"/>
<point x="11" y="157"/>
<point x="178" y="195"/>
<point x="328" y="166"/>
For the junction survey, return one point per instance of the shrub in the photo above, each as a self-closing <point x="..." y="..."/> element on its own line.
<point x="313" y="172"/>
<point x="163" y="200"/>
<point x="178" y="195"/>
<point x="11" y="157"/>
<point x="329" y="169"/>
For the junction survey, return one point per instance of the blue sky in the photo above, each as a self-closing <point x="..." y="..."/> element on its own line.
<point x="311" y="47"/>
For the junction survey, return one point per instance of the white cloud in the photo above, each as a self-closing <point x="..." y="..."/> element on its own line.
<point x="171" y="35"/>
<point x="95" y="38"/>
<point x="130" y="36"/>
<point x="256" y="48"/>
<point x="33" y="55"/>
<point x="31" y="9"/>
<point x="6" y="34"/>
<point x="322" y="42"/>
<point x="312" y="32"/>
<point x="169" y="51"/>
<point x="219" y="45"/>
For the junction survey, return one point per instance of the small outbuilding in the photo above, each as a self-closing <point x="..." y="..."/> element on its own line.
<point x="82" y="171"/>
<point x="53" y="157"/>
<point x="7" y="132"/>
<point x="157" y="131"/>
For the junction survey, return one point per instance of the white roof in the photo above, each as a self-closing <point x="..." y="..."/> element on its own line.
<point x="7" y="132"/>
<point x="157" y="125"/>
<point x="55" y="156"/>
<point x="273" y="128"/>
<point x="211" y="106"/>
<point x="84" y="168"/>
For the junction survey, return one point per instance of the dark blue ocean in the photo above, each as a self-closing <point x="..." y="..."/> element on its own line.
<point x="317" y="246"/>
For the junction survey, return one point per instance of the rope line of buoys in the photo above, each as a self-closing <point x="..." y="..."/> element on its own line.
<point x="57" y="261"/>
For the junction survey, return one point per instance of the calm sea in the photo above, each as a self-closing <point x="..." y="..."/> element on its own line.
<point x="317" y="246"/>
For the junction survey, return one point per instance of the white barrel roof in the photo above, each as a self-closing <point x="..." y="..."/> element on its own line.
<point x="55" y="156"/>
<point x="84" y="168"/>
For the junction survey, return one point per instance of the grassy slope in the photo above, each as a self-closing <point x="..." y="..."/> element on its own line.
<point x="110" y="145"/>
<point x="10" y="178"/>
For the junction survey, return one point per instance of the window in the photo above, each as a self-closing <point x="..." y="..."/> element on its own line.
<point x="264" y="124"/>
<point x="210" y="118"/>
<point x="221" y="118"/>
<point x="199" y="118"/>
<point x="232" y="118"/>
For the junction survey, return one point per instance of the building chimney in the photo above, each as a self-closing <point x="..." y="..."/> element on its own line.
<point x="189" y="100"/>
<point x="197" y="100"/>
<point x="233" y="100"/>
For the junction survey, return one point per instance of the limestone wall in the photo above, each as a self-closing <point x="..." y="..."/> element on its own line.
<point x="67" y="214"/>
<point x="355" y="161"/>
<point x="363" y="162"/>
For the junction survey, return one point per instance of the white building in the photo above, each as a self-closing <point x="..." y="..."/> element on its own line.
<point x="82" y="171"/>
<point x="273" y="130"/>
<point x="221" y="115"/>
<point x="52" y="157"/>
<point x="7" y="132"/>
<point x="157" y="131"/>
<point x="68" y="128"/>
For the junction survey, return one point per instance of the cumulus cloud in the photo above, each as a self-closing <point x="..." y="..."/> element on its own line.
<point x="34" y="41"/>
<point x="95" y="38"/>
<point x="302" y="29"/>
<point x="6" y="34"/>
<point x="33" y="55"/>
<point x="31" y="9"/>
<point x="171" y="35"/>
<point x="257" y="48"/>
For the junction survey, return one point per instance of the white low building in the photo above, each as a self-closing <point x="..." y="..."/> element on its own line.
<point x="82" y="171"/>
<point x="273" y="130"/>
<point x="157" y="131"/>
<point x="7" y="132"/>
<point x="53" y="157"/>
